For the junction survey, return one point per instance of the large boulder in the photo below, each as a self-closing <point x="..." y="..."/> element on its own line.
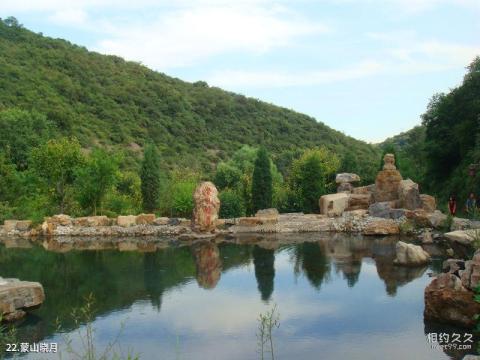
<point x="464" y="237"/>
<point x="410" y="255"/>
<point x="379" y="226"/>
<point x="18" y="296"/>
<point x="437" y="219"/>
<point x="369" y="189"/>
<point x="380" y="209"/>
<point x="91" y="221"/>
<point x="387" y="184"/>
<point x="448" y="301"/>
<point x="345" y="187"/>
<point x="207" y="206"/>
<point x="428" y="203"/>
<point x="52" y="223"/>
<point x="333" y="204"/>
<point x="359" y="201"/>
<point x="347" y="178"/>
<point x="409" y="195"/>
<point x="471" y="275"/>
<point x="145" y="219"/>
<point x="126" y="220"/>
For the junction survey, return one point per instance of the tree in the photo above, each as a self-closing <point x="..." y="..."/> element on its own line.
<point x="95" y="178"/>
<point x="262" y="188"/>
<point x="21" y="131"/>
<point x="150" y="178"/>
<point x="55" y="163"/>
<point x="310" y="177"/>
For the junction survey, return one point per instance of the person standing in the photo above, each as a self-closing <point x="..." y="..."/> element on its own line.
<point x="452" y="205"/>
<point x="471" y="204"/>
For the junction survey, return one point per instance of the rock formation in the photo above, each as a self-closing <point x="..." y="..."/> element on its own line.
<point x="388" y="181"/>
<point x="333" y="204"/>
<point x="207" y="206"/>
<point x="345" y="180"/>
<point x="410" y="255"/>
<point x="409" y="195"/>
<point x="18" y="296"/>
<point x="208" y="264"/>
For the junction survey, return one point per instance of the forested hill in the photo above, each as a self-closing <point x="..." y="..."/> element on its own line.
<point x="109" y="102"/>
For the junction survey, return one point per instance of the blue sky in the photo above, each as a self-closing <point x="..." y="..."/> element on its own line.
<point x="365" y="67"/>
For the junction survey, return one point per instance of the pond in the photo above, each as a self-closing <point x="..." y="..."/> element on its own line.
<point x="337" y="297"/>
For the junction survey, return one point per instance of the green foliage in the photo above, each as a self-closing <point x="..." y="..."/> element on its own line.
<point x="95" y="178"/>
<point x="176" y="198"/>
<point x="56" y="163"/>
<point x="231" y="204"/>
<point x="107" y="101"/>
<point x="227" y="175"/>
<point x="311" y="177"/>
<point x="262" y="187"/>
<point x="20" y="132"/>
<point x="452" y="123"/>
<point x="150" y="178"/>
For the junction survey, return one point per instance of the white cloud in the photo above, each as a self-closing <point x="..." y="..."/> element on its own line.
<point x="69" y="17"/>
<point x="189" y="35"/>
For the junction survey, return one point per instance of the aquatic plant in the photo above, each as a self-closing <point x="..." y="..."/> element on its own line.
<point x="8" y="335"/>
<point x="83" y="318"/>
<point x="266" y="323"/>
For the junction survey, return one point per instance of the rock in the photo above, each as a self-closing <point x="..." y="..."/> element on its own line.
<point x="410" y="255"/>
<point x="347" y="178"/>
<point x="23" y="225"/>
<point x="333" y="204"/>
<point x="450" y="252"/>
<point x="419" y="217"/>
<point x="460" y="224"/>
<point x="126" y="220"/>
<point x="145" y="219"/>
<point x="429" y="204"/>
<point x="17" y="296"/>
<point x="9" y="225"/>
<point x="387" y="184"/>
<point x="270" y="213"/>
<point x="447" y="301"/>
<point x="161" y="221"/>
<point x="254" y="221"/>
<point x="464" y="237"/>
<point x="359" y="201"/>
<point x="409" y="195"/>
<point x="92" y="221"/>
<point x="345" y="187"/>
<point x="389" y="162"/>
<point x="60" y="219"/>
<point x="370" y="189"/>
<point x="453" y="265"/>
<point x="471" y="357"/>
<point x="471" y="275"/>
<point x="427" y="237"/>
<point x="379" y="226"/>
<point x="207" y="205"/>
<point x="437" y="219"/>
<point x="380" y="209"/>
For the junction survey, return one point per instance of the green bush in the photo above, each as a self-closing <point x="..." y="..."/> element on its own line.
<point x="231" y="204"/>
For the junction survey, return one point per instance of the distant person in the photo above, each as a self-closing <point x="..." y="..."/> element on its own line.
<point x="452" y="205"/>
<point x="471" y="203"/>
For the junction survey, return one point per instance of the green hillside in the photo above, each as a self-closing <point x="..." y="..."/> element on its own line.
<point x="109" y="102"/>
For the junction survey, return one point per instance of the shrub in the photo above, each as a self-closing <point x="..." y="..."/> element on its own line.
<point x="231" y="204"/>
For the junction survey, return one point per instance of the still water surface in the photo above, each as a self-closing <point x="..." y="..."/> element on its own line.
<point x="338" y="297"/>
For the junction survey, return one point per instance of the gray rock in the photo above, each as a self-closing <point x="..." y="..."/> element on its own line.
<point x="380" y="209"/>
<point x="347" y="178"/>
<point x="409" y="195"/>
<point x="410" y="255"/>
<point x="345" y="187"/>
<point x="17" y="296"/>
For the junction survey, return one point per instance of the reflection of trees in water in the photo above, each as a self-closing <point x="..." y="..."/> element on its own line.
<point x="310" y="259"/>
<point x="264" y="262"/>
<point x="396" y="276"/>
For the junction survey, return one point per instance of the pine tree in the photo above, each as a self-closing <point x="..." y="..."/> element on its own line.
<point x="262" y="188"/>
<point x="150" y="177"/>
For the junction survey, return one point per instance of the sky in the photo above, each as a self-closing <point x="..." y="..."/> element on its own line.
<point x="365" y="67"/>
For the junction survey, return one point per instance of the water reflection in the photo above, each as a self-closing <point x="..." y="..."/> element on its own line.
<point x="207" y="263"/>
<point x="264" y="262"/>
<point x="332" y="274"/>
